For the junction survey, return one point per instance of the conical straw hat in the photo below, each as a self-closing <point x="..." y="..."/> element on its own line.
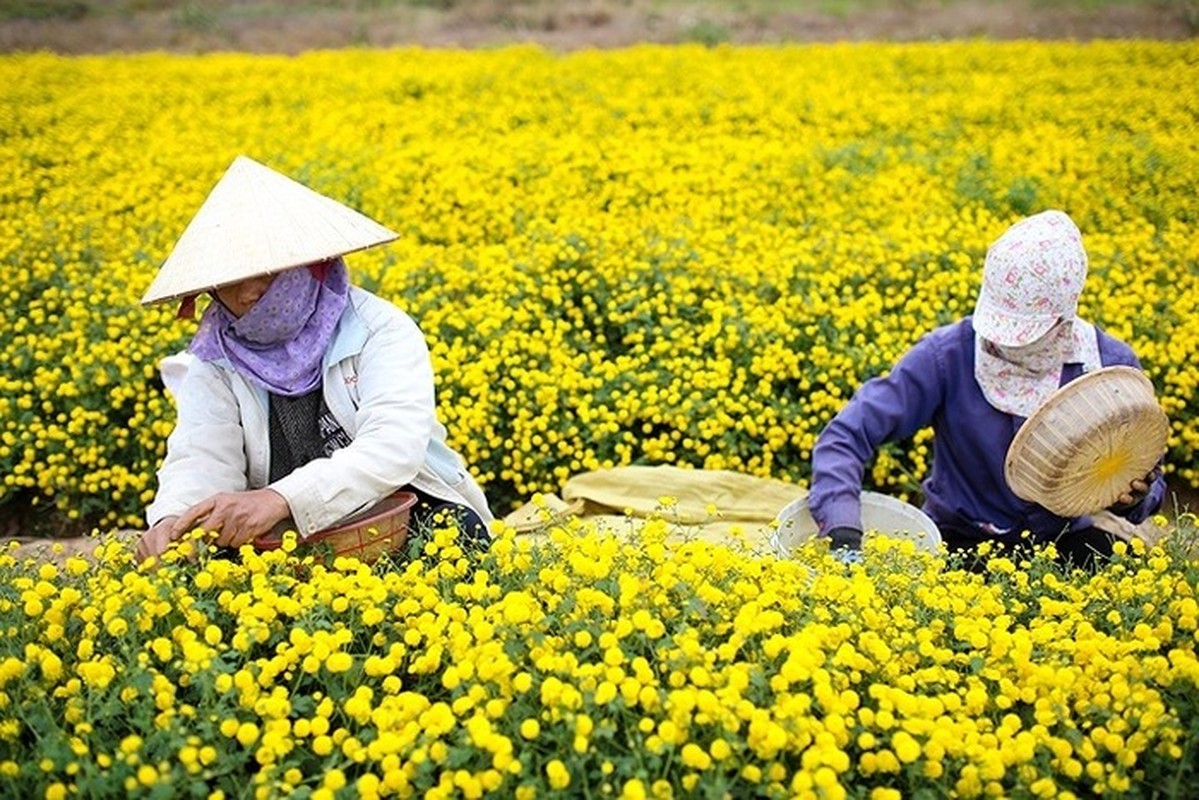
<point x="1082" y="447"/>
<point x="255" y="222"/>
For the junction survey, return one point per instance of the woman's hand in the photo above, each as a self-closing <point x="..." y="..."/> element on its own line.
<point x="155" y="541"/>
<point x="236" y="517"/>
<point x="1136" y="491"/>
<point x="845" y="544"/>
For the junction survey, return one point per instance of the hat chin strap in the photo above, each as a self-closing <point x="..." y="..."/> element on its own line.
<point x="187" y="307"/>
<point x="320" y="269"/>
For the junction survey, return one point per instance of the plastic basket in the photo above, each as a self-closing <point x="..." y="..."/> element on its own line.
<point x="880" y="513"/>
<point x="368" y="535"/>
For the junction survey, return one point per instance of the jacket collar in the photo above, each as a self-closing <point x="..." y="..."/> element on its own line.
<point x="348" y="339"/>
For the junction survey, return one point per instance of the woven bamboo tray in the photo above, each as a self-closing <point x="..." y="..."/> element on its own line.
<point x="1082" y="447"/>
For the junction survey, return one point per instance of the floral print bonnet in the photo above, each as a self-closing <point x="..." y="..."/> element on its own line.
<point x="1026" y="319"/>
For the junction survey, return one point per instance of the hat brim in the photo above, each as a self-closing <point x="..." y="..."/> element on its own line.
<point x="1009" y="329"/>
<point x="248" y="272"/>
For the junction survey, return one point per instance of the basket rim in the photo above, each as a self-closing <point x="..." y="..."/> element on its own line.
<point x="795" y="522"/>
<point x="396" y="503"/>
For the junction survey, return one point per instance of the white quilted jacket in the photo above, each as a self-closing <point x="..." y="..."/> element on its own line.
<point x="378" y="383"/>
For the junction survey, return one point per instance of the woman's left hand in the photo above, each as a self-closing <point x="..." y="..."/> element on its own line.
<point x="1136" y="491"/>
<point x="236" y="517"/>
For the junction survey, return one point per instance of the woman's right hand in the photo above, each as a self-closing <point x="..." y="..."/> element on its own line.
<point x="845" y="538"/>
<point x="845" y="544"/>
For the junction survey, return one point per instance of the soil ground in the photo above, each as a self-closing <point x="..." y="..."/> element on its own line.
<point x="86" y="26"/>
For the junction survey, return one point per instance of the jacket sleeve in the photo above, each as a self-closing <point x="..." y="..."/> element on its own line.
<point x="884" y="409"/>
<point x="395" y="420"/>
<point x="206" y="450"/>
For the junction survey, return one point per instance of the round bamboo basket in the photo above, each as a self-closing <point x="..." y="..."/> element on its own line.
<point x="368" y="535"/>
<point x="1082" y="447"/>
<point x="881" y="513"/>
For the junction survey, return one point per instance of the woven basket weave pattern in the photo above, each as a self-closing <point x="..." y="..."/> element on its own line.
<point x="1085" y="445"/>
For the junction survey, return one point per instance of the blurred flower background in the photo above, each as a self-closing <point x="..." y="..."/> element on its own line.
<point x="656" y="254"/>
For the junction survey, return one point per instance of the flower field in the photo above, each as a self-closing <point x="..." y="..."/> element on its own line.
<point x="596" y="667"/>
<point x="654" y="255"/>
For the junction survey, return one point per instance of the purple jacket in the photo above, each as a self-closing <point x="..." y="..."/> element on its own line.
<point x="933" y="384"/>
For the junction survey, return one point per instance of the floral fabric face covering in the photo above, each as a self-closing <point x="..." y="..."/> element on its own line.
<point x="1016" y="380"/>
<point x="280" y="342"/>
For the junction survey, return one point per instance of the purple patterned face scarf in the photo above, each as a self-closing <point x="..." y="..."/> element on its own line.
<point x="280" y="342"/>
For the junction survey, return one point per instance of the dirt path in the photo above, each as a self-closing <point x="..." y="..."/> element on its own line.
<point x="269" y="26"/>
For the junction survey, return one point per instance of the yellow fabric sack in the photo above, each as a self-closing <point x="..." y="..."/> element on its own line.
<point x="640" y="489"/>
<point x="616" y="498"/>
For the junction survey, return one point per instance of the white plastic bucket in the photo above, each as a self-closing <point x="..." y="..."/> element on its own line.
<point x="880" y="513"/>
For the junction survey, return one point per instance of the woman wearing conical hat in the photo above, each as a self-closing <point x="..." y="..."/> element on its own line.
<point x="301" y="398"/>
<point x="975" y="382"/>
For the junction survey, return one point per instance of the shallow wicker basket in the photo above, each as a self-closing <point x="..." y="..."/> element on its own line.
<point x="880" y="513"/>
<point x="1087" y="442"/>
<point x="368" y="535"/>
